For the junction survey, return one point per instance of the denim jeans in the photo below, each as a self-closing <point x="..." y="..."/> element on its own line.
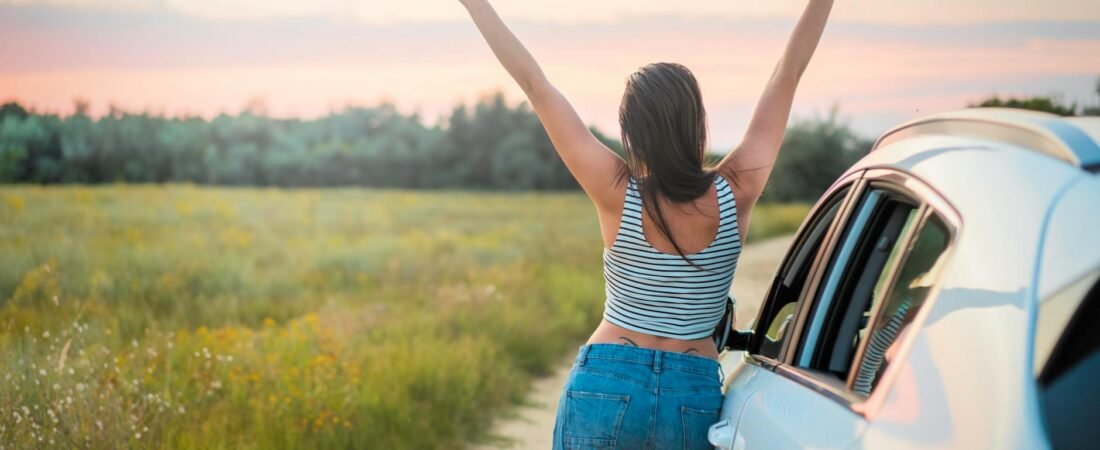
<point x="623" y="397"/>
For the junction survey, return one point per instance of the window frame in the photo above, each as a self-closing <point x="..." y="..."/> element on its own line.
<point x="928" y="202"/>
<point x="819" y="322"/>
<point x="853" y="183"/>
<point x="909" y="239"/>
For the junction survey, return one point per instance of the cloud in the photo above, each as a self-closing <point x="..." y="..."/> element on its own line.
<point x="161" y="60"/>
<point x="582" y="11"/>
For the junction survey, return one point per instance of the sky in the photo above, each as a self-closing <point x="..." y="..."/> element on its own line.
<point x="881" y="62"/>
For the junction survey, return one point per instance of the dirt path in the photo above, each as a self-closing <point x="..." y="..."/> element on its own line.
<point x="531" y="427"/>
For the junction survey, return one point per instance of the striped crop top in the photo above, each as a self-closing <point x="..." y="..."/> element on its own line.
<point x="656" y="293"/>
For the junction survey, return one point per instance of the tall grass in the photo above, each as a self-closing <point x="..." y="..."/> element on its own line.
<point x="185" y="317"/>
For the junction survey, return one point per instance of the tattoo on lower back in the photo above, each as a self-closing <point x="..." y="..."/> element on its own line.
<point x="691" y="350"/>
<point x="628" y="341"/>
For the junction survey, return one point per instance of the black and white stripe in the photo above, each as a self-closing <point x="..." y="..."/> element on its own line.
<point x="660" y="294"/>
<point x="875" y="355"/>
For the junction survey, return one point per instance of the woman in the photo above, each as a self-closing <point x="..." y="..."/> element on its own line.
<point x="648" y="376"/>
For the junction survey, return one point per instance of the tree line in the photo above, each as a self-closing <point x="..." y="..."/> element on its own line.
<point x="489" y="145"/>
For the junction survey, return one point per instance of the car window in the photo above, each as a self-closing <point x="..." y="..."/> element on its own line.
<point x="854" y="282"/>
<point x="781" y="305"/>
<point x="915" y="277"/>
<point x="1069" y="381"/>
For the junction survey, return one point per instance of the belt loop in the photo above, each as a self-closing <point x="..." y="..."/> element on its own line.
<point x="656" y="361"/>
<point x="583" y="356"/>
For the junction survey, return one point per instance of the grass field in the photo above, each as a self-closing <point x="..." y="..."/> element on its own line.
<point x="187" y="317"/>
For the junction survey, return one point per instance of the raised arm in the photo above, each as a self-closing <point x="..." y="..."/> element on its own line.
<point x="753" y="159"/>
<point x="590" y="162"/>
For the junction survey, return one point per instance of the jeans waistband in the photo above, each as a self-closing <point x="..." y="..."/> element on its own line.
<point x="656" y="360"/>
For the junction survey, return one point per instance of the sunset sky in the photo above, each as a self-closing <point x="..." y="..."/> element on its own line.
<point x="881" y="61"/>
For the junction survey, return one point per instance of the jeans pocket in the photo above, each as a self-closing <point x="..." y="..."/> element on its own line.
<point x="696" y="423"/>
<point x="592" y="420"/>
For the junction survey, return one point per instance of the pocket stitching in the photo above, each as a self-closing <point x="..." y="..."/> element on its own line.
<point x="571" y="441"/>
<point x="685" y="411"/>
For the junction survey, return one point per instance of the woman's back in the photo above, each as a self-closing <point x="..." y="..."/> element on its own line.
<point x="672" y="295"/>
<point x="693" y="224"/>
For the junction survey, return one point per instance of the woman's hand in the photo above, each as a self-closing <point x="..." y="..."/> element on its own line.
<point x="753" y="159"/>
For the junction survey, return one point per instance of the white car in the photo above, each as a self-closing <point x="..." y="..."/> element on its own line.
<point x="942" y="294"/>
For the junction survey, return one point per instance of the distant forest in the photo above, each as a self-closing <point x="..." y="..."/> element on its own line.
<point x="488" y="146"/>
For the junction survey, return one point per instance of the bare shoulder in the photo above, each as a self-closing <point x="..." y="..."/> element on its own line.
<point x="609" y="210"/>
<point x="612" y="194"/>
<point x="744" y="194"/>
<point x="744" y="198"/>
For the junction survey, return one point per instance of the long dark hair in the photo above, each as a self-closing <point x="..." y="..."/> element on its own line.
<point x="664" y="134"/>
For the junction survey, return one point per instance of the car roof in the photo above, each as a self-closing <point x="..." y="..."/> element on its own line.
<point x="1020" y="206"/>
<point x="1003" y="189"/>
<point x="1073" y="140"/>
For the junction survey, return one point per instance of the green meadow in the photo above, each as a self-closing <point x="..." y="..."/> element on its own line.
<point x="191" y="317"/>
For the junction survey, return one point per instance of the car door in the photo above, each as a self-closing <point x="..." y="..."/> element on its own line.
<point x="779" y="307"/>
<point x="820" y="354"/>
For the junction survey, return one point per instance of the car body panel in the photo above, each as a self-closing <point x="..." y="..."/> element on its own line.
<point x="980" y="318"/>
<point x="782" y="414"/>
<point x="1072" y="242"/>
<point x="1026" y="225"/>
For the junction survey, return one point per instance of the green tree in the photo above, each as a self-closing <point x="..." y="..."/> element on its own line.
<point x="1093" y="110"/>
<point x="814" y="153"/>
<point x="1044" y="104"/>
<point x="487" y="145"/>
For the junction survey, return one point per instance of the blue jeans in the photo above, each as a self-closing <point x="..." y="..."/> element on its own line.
<point x="623" y="397"/>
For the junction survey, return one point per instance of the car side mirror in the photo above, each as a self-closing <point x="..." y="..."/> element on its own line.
<point x="739" y="340"/>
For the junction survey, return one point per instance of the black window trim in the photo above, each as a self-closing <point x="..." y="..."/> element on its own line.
<point x="853" y="183"/>
<point x="930" y="202"/>
<point x="883" y="194"/>
<point x="924" y="212"/>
